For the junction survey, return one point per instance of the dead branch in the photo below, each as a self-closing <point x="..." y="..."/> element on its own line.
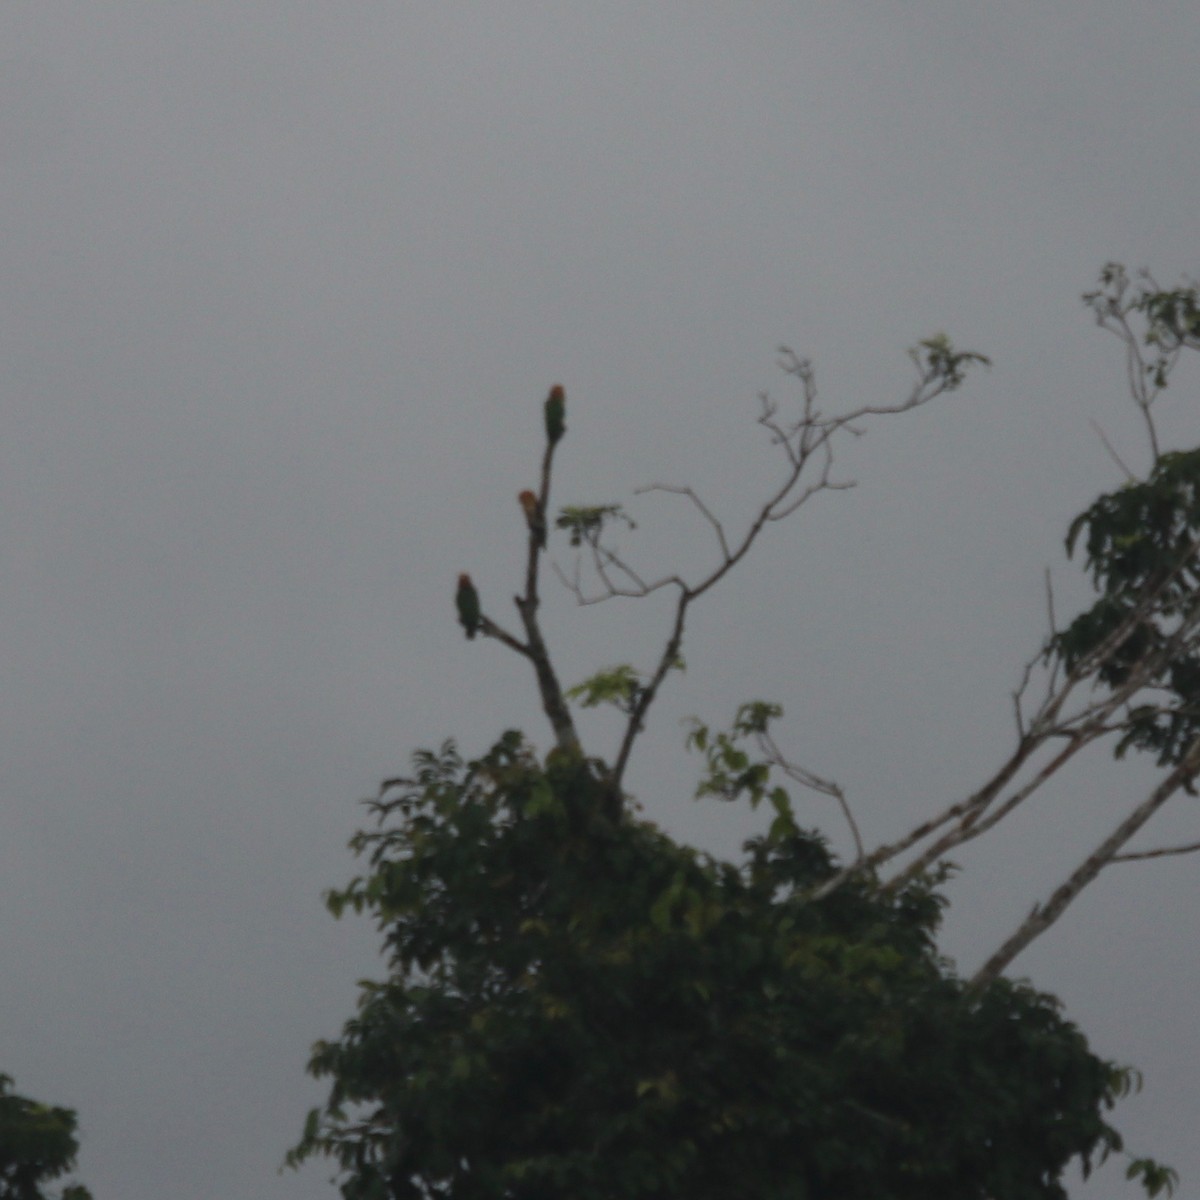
<point x="810" y="436"/>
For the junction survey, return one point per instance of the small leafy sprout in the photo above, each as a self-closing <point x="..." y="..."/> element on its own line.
<point x="1155" y="1178"/>
<point x="936" y="357"/>
<point x="1174" y="316"/>
<point x="732" y="773"/>
<point x="621" y="686"/>
<point x="586" y="523"/>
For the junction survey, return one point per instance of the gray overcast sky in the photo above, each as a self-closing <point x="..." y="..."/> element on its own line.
<point x="283" y="286"/>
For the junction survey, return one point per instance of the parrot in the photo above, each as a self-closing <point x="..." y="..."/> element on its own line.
<point x="533" y="517"/>
<point x="555" y="414"/>
<point x="467" y="599"/>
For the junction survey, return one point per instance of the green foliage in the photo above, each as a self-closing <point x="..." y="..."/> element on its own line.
<point x="1154" y="1177"/>
<point x="586" y="523"/>
<point x="1171" y="316"/>
<point x="1140" y="545"/>
<point x="731" y="772"/>
<point x="577" y="1006"/>
<point x="619" y="686"/>
<point x="37" y="1145"/>
<point x="937" y="358"/>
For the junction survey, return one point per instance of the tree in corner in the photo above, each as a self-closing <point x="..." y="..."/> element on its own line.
<point x="37" y="1145"/>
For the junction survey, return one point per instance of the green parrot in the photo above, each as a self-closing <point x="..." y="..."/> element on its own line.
<point x="467" y="599"/>
<point x="556" y="408"/>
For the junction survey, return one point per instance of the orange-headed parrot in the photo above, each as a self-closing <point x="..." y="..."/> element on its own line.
<point x="556" y="411"/>
<point x="533" y="516"/>
<point x="467" y="599"/>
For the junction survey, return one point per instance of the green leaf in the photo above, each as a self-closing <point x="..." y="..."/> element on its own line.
<point x="586" y="524"/>
<point x="619" y="686"/>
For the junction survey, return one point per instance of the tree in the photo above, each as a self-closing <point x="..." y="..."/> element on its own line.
<point x="37" y="1145"/>
<point x="578" y="1006"/>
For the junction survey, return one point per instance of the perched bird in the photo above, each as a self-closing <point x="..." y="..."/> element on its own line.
<point x="556" y="411"/>
<point x="533" y="516"/>
<point x="467" y="599"/>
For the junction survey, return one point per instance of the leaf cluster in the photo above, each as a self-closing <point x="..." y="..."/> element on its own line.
<point x="937" y="358"/>
<point x="620" y="686"/>
<point x="1140" y="545"/>
<point x="585" y="524"/>
<point x="732" y="773"/>
<point x="1169" y="318"/>
<point x="578" y="1006"/>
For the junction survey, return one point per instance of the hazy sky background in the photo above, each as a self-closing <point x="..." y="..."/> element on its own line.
<point x="283" y="287"/>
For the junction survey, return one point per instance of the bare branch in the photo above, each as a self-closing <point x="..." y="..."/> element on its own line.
<point x="534" y="647"/>
<point x="1129" y="475"/>
<point x="704" y="509"/>
<point x="1052" y="627"/>
<point x="1043" y="916"/>
<point x="1112" y="310"/>
<point x="1163" y="852"/>
<point x="1018" y="693"/>
<point x="1082" y="726"/>
<point x="668" y="659"/>
<point x="811" y="435"/>
<point x="973" y="823"/>
<point x="977" y="801"/>
<point x="810" y="438"/>
<point x="490" y="628"/>
<point x="806" y="778"/>
<point x="641" y="588"/>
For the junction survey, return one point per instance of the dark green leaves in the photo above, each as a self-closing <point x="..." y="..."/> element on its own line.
<point x="1140" y="545"/>
<point x="1144" y="533"/>
<point x="37" y="1145"/>
<point x="578" y="1006"/>
<point x="1155" y="1178"/>
<point x="620" y="686"/>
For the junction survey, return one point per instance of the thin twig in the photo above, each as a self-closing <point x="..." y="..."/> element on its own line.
<point x="1129" y="475"/>
<point x="1162" y="852"/>
<point x="825" y="787"/>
